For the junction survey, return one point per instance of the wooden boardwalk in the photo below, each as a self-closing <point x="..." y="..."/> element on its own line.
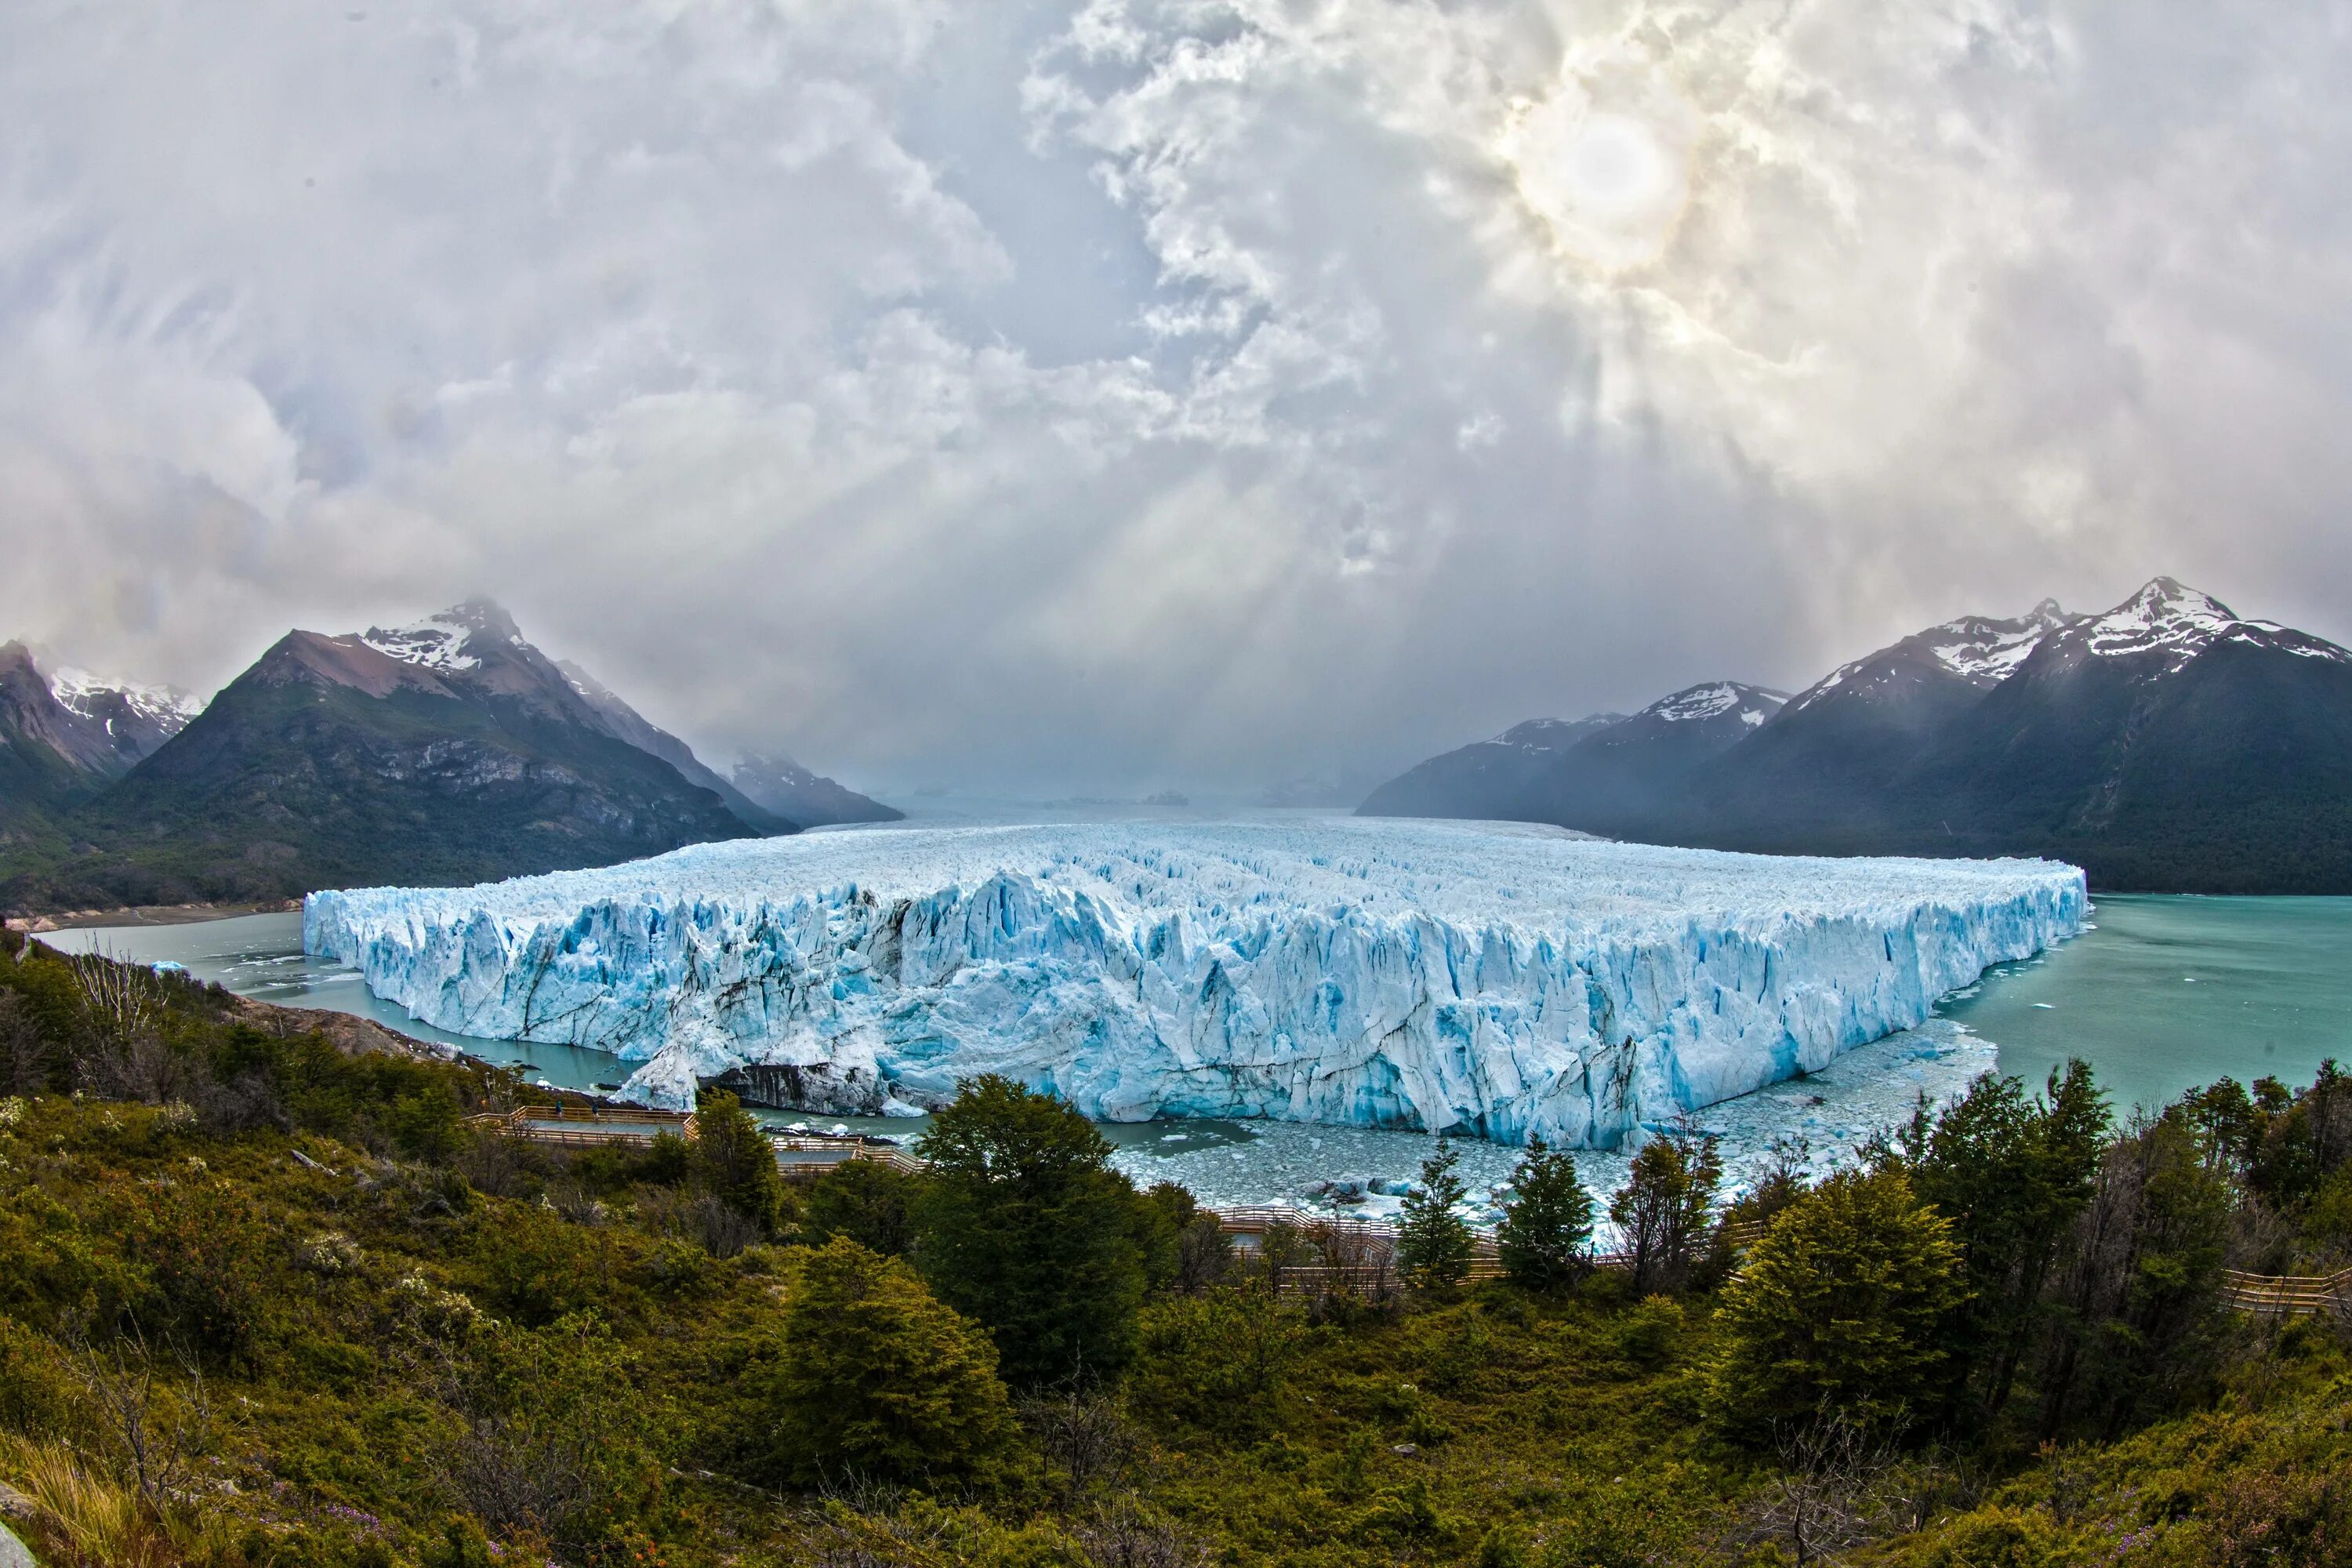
<point x="587" y="1126"/>
<point x="2288" y="1295"/>
<point x="1322" y="1251"/>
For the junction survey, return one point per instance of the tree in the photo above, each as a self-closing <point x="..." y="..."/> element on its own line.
<point x="1662" y="1210"/>
<point x="1546" y="1237"/>
<point x="1840" y="1311"/>
<point x="734" y="1162"/>
<point x="1434" y="1244"/>
<point x="2141" y="1313"/>
<point x="1024" y="1227"/>
<point x="871" y="1203"/>
<point x="877" y="1380"/>
<point x="2011" y="1173"/>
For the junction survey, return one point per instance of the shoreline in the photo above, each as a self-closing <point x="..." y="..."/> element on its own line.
<point x="147" y="915"/>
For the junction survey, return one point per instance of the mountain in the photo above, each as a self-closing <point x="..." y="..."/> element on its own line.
<point x="623" y="722"/>
<point x="790" y="789"/>
<point x="447" y="751"/>
<point x="1497" y="779"/>
<point x="66" y="735"/>
<point x="1825" y="762"/>
<point x="2169" y="744"/>
<point x="1603" y="774"/>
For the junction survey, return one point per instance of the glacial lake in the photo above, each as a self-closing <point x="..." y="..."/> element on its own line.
<point x="2162" y="993"/>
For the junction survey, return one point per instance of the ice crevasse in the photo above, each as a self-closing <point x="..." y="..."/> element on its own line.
<point x="1492" y="979"/>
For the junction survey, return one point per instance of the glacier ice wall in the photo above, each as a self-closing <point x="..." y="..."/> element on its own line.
<point x="1495" y="979"/>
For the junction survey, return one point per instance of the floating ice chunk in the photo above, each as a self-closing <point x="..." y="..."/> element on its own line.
<point x="1361" y="973"/>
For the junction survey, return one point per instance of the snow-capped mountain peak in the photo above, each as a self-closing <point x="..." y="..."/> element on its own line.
<point x="2163" y="616"/>
<point x="79" y="692"/>
<point x="1553" y="734"/>
<point x="1753" y="704"/>
<point x="1985" y="651"/>
<point x="2175" y="624"/>
<point x="440" y="641"/>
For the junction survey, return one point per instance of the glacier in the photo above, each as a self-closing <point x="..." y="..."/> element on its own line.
<point x="1495" y="980"/>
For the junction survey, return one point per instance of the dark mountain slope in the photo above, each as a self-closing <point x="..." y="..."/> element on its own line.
<point x="790" y="789"/>
<point x="1499" y="779"/>
<point x="625" y="723"/>
<point x="1820" y="770"/>
<point x="1618" y="781"/>
<point x="461" y="754"/>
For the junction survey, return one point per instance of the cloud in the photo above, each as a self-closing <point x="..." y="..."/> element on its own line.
<point x="1098" y="395"/>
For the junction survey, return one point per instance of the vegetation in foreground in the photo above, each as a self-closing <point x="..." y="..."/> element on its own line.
<point x="265" y="1304"/>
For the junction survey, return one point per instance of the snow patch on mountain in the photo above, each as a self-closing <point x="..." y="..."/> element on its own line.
<point x="83" y="694"/>
<point x="1540" y="735"/>
<point x="1499" y="980"/>
<point x="440" y="641"/>
<point x="1754" y="704"/>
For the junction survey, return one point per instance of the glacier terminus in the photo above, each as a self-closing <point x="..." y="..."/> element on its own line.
<point x="1490" y="979"/>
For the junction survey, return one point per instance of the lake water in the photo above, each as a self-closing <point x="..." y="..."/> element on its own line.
<point x="2163" y="993"/>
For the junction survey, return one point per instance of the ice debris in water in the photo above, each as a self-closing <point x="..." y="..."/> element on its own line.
<point x="1493" y="979"/>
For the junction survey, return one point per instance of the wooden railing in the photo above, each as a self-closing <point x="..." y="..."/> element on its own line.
<point x="586" y="1126"/>
<point x="2287" y="1295"/>
<point x="1369" y="1244"/>
<point x="806" y="1159"/>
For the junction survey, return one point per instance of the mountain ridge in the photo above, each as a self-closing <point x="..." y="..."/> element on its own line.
<point x="448" y="750"/>
<point x="2165" y="745"/>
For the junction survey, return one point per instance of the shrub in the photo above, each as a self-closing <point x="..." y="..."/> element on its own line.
<point x="1841" y="1308"/>
<point x="1218" y="1361"/>
<point x="734" y="1162"/>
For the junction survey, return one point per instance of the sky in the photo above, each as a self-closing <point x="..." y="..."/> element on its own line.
<point x="1120" y="394"/>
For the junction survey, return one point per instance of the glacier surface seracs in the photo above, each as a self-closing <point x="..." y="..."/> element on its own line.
<point x="1496" y="979"/>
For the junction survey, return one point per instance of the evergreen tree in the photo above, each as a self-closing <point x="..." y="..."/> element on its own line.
<point x="1662" y="1211"/>
<point x="1546" y="1237"/>
<point x="878" y="1381"/>
<point x="870" y="1202"/>
<point x="1024" y="1225"/>
<point x="1840" y="1311"/>
<point x="1434" y="1244"/>
<point x="734" y="1162"/>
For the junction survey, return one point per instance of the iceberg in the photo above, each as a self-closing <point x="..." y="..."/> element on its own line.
<point x="1495" y="980"/>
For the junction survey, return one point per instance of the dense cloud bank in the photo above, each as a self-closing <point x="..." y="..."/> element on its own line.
<point x="1140" y="390"/>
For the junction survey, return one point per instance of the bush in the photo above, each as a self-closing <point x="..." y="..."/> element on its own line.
<point x="876" y="1380"/>
<point x="734" y="1162"/>
<point x="1840" y="1309"/>
<point x="1218" y="1361"/>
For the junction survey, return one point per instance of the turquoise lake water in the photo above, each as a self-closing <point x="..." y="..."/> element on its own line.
<point x="2163" y="993"/>
<point x="2167" y="993"/>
